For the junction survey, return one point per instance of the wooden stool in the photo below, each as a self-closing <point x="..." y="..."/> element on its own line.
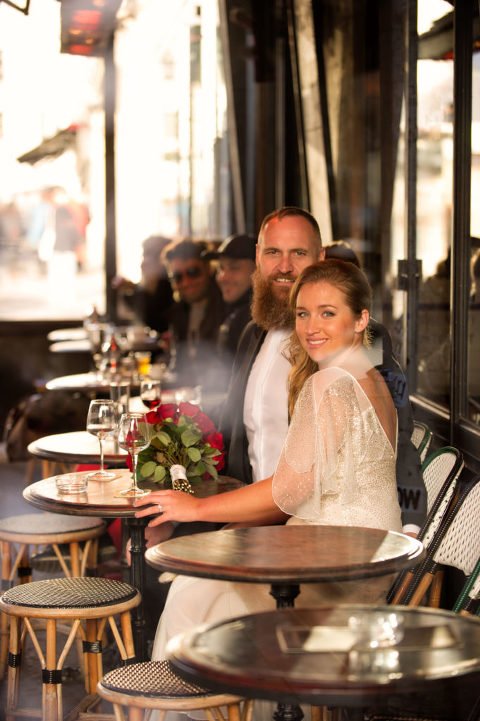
<point x="19" y="533"/>
<point x="92" y="600"/>
<point x="38" y="529"/>
<point x="155" y="685"/>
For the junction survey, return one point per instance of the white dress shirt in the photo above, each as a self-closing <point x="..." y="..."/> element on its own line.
<point x="265" y="409"/>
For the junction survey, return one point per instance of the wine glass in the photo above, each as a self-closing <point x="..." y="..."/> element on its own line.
<point x="150" y="392"/>
<point x="101" y="423"/>
<point x="133" y="436"/>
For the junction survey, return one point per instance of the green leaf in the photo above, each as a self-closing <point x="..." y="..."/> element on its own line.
<point x="190" y="437"/>
<point x="211" y="469"/>
<point x="159" y="474"/>
<point x="147" y="469"/>
<point x="164" y="438"/>
<point x="194" y="454"/>
<point x="200" y="468"/>
<point x="156" y="442"/>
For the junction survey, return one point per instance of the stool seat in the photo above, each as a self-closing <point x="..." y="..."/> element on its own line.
<point x="155" y="679"/>
<point x="142" y="687"/>
<point x="66" y="597"/>
<point x="45" y="527"/>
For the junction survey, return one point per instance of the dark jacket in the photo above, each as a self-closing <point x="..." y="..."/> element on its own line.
<point x="196" y="362"/>
<point x="411" y="488"/>
<point x="237" y="315"/>
<point x="151" y="308"/>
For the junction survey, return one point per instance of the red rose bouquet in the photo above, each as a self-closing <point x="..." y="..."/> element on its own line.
<point x="182" y="436"/>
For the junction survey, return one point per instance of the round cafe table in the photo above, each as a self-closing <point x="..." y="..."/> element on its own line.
<point x="316" y="656"/>
<point x="287" y="556"/>
<point x="102" y="500"/>
<point x="86" y="382"/>
<point x="75" y="447"/>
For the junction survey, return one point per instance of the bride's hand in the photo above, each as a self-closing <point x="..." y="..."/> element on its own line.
<point x="171" y="505"/>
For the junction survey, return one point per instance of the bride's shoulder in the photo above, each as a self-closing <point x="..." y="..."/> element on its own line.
<point x="331" y="378"/>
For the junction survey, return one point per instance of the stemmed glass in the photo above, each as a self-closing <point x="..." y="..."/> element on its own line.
<point x="150" y="392"/>
<point x="133" y="436"/>
<point x="101" y="422"/>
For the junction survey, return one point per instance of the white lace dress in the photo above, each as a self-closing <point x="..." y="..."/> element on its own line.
<point x="339" y="470"/>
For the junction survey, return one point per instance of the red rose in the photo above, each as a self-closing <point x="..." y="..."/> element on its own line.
<point x="189" y="409"/>
<point x="215" y="439"/>
<point x="204" y="423"/>
<point x="166" y="410"/>
<point x="153" y="416"/>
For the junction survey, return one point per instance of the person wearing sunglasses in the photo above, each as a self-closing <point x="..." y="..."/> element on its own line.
<point x="197" y="313"/>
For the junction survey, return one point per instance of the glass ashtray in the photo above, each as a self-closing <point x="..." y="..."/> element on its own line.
<point x="71" y="483"/>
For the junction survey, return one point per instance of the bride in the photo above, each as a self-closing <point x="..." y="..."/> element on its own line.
<point x="337" y="466"/>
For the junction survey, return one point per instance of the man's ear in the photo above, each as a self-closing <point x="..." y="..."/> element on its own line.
<point x="321" y="254"/>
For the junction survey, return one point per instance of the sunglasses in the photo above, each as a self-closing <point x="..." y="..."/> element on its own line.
<point x="192" y="272"/>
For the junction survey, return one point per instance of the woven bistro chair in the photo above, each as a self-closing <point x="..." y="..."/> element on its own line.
<point x="22" y="535"/>
<point x="468" y="601"/>
<point x="421" y="438"/>
<point x="441" y="474"/>
<point x="458" y="546"/>
<point x="154" y="685"/>
<point x="88" y="603"/>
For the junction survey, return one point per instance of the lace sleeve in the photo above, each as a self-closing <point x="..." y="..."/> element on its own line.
<point x="319" y="430"/>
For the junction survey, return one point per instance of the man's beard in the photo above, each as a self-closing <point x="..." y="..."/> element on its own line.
<point x="270" y="310"/>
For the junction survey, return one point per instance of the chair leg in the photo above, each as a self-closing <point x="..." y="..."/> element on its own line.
<point x="93" y="655"/>
<point x="6" y="569"/>
<point x="30" y="471"/>
<point x="135" y="714"/>
<point x="233" y="711"/>
<point x="47" y="469"/>
<point x="13" y="679"/>
<point x="75" y="559"/>
<point x="436" y="590"/>
<point x="421" y="590"/>
<point x="403" y="588"/>
<point x="51" y="686"/>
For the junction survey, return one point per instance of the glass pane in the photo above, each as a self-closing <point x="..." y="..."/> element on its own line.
<point x="171" y="150"/>
<point x="473" y="406"/>
<point x="434" y="204"/>
<point x="51" y="153"/>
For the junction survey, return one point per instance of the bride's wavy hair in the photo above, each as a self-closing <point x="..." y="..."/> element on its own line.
<point x="358" y="295"/>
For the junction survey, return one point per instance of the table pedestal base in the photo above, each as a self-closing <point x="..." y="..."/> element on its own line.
<point x="285" y="595"/>
<point x="136" y="528"/>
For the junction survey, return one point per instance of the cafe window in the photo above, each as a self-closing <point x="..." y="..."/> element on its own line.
<point x="169" y="151"/>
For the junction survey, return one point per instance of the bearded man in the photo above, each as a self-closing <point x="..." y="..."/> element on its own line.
<point x="255" y="415"/>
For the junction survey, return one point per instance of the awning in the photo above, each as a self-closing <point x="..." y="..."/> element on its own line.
<point x="437" y="43"/>
<point x="51" y="147"/>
